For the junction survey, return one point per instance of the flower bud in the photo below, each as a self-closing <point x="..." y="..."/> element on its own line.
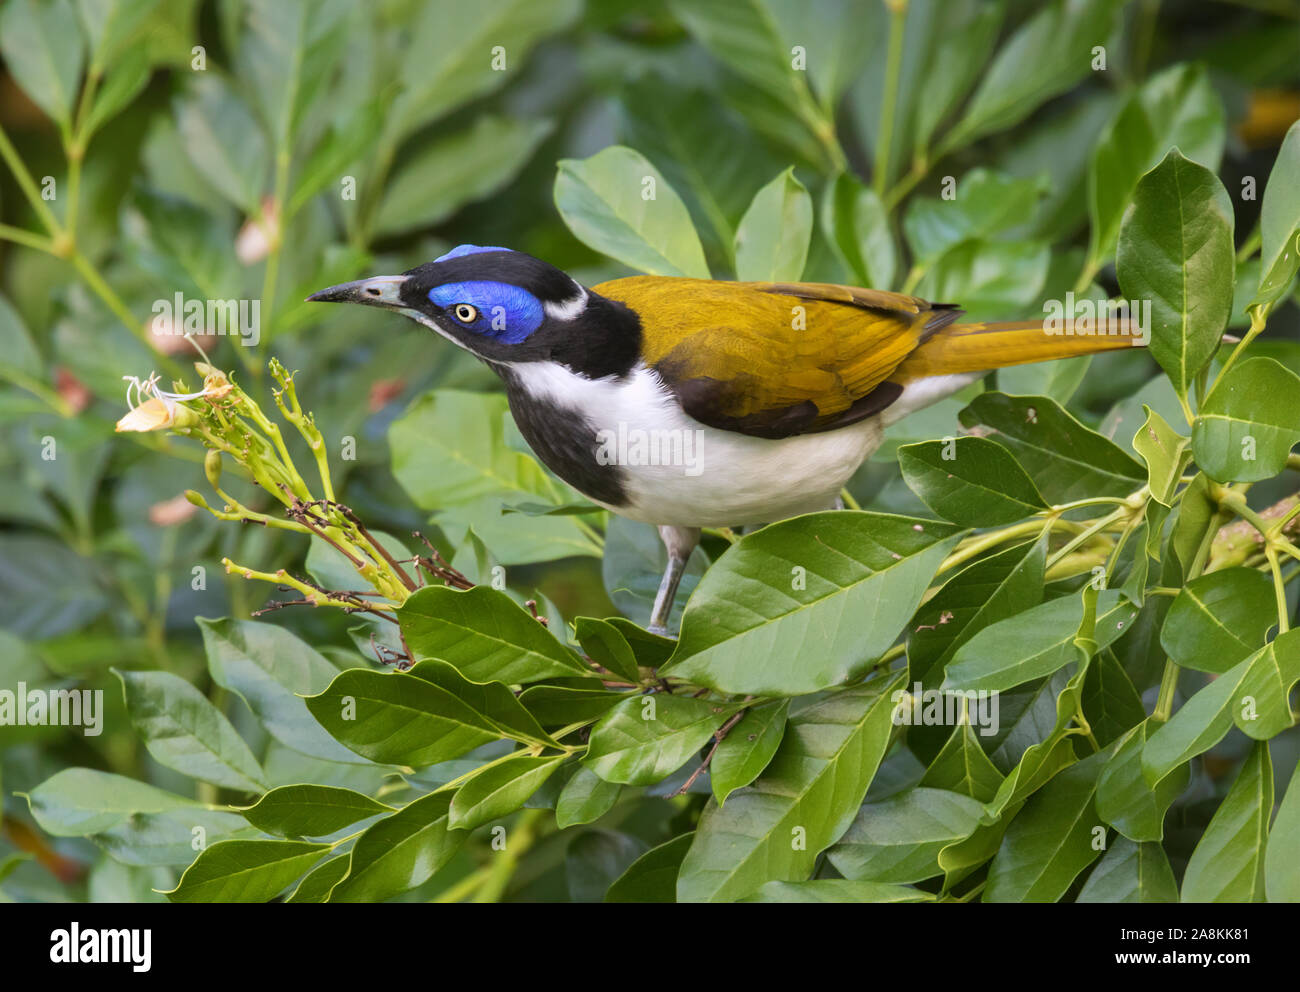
<point x="212" y="468"/>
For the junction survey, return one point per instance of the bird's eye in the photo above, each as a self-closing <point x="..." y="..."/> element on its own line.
<point x="465" y="313"/>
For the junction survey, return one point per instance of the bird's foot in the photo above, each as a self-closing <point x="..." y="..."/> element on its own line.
<point x="660" y="630"/>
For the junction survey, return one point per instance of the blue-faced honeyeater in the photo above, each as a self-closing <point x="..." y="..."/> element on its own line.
<point x="781" y="389"/>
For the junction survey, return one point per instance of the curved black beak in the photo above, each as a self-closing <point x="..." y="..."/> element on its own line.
<point x="377" y="291"/>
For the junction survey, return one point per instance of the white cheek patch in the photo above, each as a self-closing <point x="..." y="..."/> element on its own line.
<point x="567" y="309"/>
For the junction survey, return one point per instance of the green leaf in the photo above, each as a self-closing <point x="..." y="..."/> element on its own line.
<point x="607" y="647"/>
<point x="44" y="49"/>
<point x="1111" y="703"/>
<point x="1131" y="873"/>
<point x="646" y="738"/>
<point x="837" y="890"/>
<point x="310" y="810"/>
<point x="748" y="748"/>
<point x="767" y="618"/>
<point x="182" y="730"/>
<point x="1066" y="460"/>
<point x="401" y="851"/>
<point x="245" y="870"/>
<point x="1175" y="250"/>
<point x="1050" y="841"/>
<point x="653" y="876"/>
<point x="1034" y="643"/>
<point x="458" y="168"/>
<point x="79" y="802"/>
<point x="271" y="669"/>
<point x="595" y="859"/>
<point x="984" y="592"/>
<point x="482" y="634"/>
<point x="1045" y="56"/>
<point x="857" y="225"/>
<point x="1176" y="107"/>
<point x="1124" y="798"/>
<point x="989" y="277"/>
<point x="125" y="80"/>
<point x="450" y="454"/>
<point x="971" y="481"/>
<point x="617" y="203"/>
<point x="1249" y="422"/>
<point x="1281" y="880"/>
<point x="399" y="719"/>
<point x="224" y="142"/>
<point x="960" y="53"/>
<point x="22" y="360"/>
<point x="809" y="793"/>
<point x="584" y="798"/>
<point x="112" y="24"/>
<point x="772" y="240"/>
<point x="962" y="767"/>
<point x="559" y="706"/>
<point x="1199" y="724"/>
<point x="1279" y="223"/>
<point x="985" y="204"/>
<point x="1263" y="708"/>
<point x="899" y="839"/>
<point x="500" y="790"/>
<point x="492" y="699"/>
<point x="1228" y="863"/>
<point x="1216" y="620"/>
<point x="318" y="883"/>
<point x="1166" y="453"/>
<point x="456" y="52"/>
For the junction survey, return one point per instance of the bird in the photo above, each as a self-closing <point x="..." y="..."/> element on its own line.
<point x="765" y="396"/>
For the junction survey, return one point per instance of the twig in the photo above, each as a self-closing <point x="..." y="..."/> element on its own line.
<point x="708" y="758"/>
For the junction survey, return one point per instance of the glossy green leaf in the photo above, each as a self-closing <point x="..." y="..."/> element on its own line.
<point x="984" y="592"/>
<point x="484" y="635"/>
<point x="837" y="890"/>
<point x="645" y="738"/>
<point x="1034" y="643"/>
<point x="768" y="617"/>
<point x="1279" y="223"/>
<point x="318" y="883"/>
<point x="559" y="706"/>
<point x="984" y="204"/>
<point x="989" y="277"/>
<point x="1281" y="880"/>
<point x="1050" y="841"/>
<point x="1197" y="726"/>
<point x="971" y="481"/>
<point x="1176" y="107"/>
<point x="270" y="669"/>
<point x="584" y="798"/>
<point x="1228" y="863"/>
<point x="1066" y="460"/>
<point x="857" y="226"/>
<point x="1262" y="707"/>
<point x="899" y="839"/>
<point x="310" y="810"/>
<point x="1219" y="618"/>
<point x="401" y="851"/>
<point x="1124" y="798"/>
<point x="748" y="748"/>
<point x="459" y="168"/>
<point x="500" y="790"/>
<point x="617" y="203"/>
<point x="963" y="768"/>
<point x="1130" y="872"/>
<point x="1111" y="703"/>
<point x="1166" y="453"/>
<point x="224" y="142"/>
<point x="44" y="50"/>
<point x="772" y="240"/>
<point x="398" y="718"/>
<point x="653" y="876"/>
<point x="492" y="699"/>
<point x="245" y="870"/>
<point x="182" y="730"/>
<point x="1175" y="250"/>
<point x="1249" y="422"/>
<point x="76" y="802"/>
<point x="112" y="24"/>
<point x="607" y="647"/>
<point x="809" y="794"/>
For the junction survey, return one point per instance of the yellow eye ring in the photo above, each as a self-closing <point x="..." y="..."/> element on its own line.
<point x="465" y="313"/>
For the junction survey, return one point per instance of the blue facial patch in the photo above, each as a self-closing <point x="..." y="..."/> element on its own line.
<point x="505" y="312"/>
<point x="461" y="250"/>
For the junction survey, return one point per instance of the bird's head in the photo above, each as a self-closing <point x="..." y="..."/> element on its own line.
<point x="504" y="306"/>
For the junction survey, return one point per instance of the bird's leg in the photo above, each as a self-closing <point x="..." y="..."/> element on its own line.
<point x="680" y="542"/>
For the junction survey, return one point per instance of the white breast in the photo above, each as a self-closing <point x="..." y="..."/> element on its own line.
<point x="680" y="472"/>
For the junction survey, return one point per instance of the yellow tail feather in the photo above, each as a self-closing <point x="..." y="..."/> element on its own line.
<point x="983" y="347"/>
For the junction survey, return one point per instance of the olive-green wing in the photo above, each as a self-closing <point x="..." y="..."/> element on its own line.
<point x="776" y="359"/>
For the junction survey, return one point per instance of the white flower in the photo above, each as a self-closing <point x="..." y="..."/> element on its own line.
<point x="153" y="409"/>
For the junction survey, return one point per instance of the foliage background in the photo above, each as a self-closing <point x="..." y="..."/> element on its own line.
<point x="444" y="150"/>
